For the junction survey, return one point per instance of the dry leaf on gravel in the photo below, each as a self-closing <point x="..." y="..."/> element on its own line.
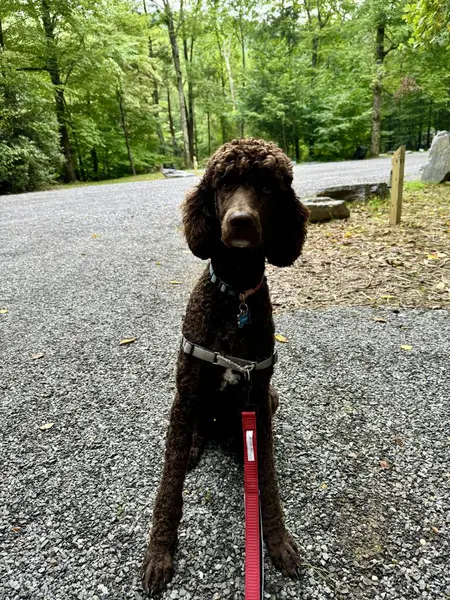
<point x="46" y="426"/>
<point x="37" y="356"/>
<point x="406" y="347"/>
<point x="3" y="311"/>
<point x="175" y="282"/>
<point x="127" y="341"/>
<point x="281" y="338"/>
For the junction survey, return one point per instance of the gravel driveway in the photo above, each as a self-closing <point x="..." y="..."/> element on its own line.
<point x="362" y="436"/>
<point x="312" y="177"/>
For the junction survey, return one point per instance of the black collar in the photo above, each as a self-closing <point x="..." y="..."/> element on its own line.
<point x="226" y="289"/>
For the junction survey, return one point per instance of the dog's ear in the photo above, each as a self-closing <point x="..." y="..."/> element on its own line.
<point x="286" y="230"/>
<point x="201" y="226"/>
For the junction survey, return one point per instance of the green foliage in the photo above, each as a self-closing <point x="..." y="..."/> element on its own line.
<point x="299" y="73"/>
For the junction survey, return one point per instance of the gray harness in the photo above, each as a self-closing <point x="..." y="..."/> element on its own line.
<point x="227" y="362"/>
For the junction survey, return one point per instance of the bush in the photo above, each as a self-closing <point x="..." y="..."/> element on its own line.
<point x="24" y="167"/>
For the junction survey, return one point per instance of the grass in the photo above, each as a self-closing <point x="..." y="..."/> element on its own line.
<point x="130" y="179"/>
<point x="366" y="261"/>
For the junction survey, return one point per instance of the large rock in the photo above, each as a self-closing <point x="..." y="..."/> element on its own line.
<point x="169" y="172"/>
<point x="325" y="209"/>
<point x="437" y="169"/>
<point x="356" y="192"/>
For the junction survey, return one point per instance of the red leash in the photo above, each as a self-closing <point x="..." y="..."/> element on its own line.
<point x="254" y="570"/>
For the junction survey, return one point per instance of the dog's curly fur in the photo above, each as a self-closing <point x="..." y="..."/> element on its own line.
<point x="207" y="403"/>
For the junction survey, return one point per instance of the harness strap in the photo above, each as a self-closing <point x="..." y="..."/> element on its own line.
<point x="227" y="362"/>
<point x="254" y="570"/>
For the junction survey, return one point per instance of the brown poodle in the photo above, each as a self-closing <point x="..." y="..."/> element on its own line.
<point x="243" y="211"/>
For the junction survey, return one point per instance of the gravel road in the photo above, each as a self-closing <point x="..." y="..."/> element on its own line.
<point x="362" y="435"/>
<point x="312" y="177"/>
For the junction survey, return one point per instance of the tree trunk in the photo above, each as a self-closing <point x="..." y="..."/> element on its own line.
<point x="125" y="130"/>
<point x="377" y="91"/>
<point x="190" y="105"/>
<point x="179" y="78"/>
<point x="223" y="120"/>
<point x="315" y="50"/>
<point x="297" y="147"/>
<point x="159" y="131"/>
<point x="226" y="58"/>
<point x="429" y="125"/>
<point x="284" y="136"/>
<point x="419" y="133"/>
<point x="2" y="41"/>
<point x="94" y="158"/>
<point x="53" y="70"/>
<point x="155" y="95"/>
<point x="209" y="133"/>
<point x="171" y="126"/>
<point x="241" y="28"/>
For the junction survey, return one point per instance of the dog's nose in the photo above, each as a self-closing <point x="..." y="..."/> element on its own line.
<point x="241" y="220"/>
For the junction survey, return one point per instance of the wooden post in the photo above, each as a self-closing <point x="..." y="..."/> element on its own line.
<point x="398" y="170"/>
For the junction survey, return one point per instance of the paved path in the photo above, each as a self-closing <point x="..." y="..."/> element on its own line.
<point x="362" y="435"/>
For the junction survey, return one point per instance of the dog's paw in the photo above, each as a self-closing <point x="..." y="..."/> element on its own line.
<point x="156" y="571"/>
<point x="284" y="554"/>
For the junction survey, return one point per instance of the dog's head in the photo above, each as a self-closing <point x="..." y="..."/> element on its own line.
<point x="245" y="200"/>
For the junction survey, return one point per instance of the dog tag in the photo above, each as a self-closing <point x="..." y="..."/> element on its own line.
<point x="243" y="317"/>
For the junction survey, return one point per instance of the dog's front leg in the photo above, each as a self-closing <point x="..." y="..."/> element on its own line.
<point x="157" y="568"/>
<point x="282" y="548"/>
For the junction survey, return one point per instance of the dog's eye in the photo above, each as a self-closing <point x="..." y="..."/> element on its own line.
<point x="266" y="191"/>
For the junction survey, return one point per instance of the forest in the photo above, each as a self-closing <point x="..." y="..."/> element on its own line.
<point x="93" y="90"/>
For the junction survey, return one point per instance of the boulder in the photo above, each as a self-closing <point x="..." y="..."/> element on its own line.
<point x="169" y="172"/>
<point x="437" y="169"/>
<point x="356" y="192"/>
<point x="325" y="209"/>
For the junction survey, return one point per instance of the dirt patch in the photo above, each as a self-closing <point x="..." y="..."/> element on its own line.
<point x="366" y="262"/>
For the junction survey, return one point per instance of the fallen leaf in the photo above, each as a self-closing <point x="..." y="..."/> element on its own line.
<point x="175" y="282"/>
<point x="384" y="464"/>
<point x="387" y="297"/>
<point x="38" y="355"/>
<point x="46" y="426"/>
<point x="379" y="320"/>
<point x="406" y="347"/>
<point x="435" y="529"/>
<point x="441" y="286"/>
<point x="324" y="486"/>
<point x="16" y="529"/>
<point x="281" y="338"/>
<point x="399" y="441"/>
<point x="432" y="257"/>
<point x="348" y="234"/>
<point x="95" y="235"/>
<point x="157" y="262"/>
<point x="423" y="542"/>
<point x="127" y="341"/>
<point x="3" y="311"/>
